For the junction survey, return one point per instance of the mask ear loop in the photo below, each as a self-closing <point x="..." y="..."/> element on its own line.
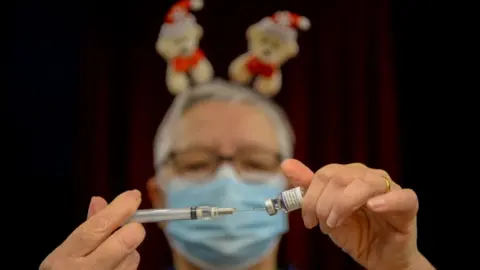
<point x="272" y="42"/>
<point x="178" y="44"/>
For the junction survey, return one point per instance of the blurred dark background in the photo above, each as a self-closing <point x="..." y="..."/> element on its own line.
<point x="87" y="92"/>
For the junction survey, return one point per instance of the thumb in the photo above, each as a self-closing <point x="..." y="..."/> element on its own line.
<point x="297" y="173"/>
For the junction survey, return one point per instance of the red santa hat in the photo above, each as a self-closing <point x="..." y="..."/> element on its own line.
<point x="285" y="23"/>
<point x="179" y="17"/>
<point x="181" y="10"/>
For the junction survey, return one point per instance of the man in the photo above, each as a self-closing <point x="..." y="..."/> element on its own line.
<point x="223" y="145"/>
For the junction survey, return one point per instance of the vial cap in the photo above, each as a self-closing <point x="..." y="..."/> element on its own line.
<point x="270" y="208"/>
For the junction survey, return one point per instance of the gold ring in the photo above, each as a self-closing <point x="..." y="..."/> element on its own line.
<point x="387" y="183"/>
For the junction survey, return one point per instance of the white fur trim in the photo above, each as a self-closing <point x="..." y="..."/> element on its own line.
<point x="304" y="23"/>
<point x="196" y="4"/>
<point x="177" y="28"/>
<point x="283" y="18"/>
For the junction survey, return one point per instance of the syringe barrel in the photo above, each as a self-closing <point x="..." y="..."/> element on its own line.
<point x="194" y="212"/>
<point x="158" y="215"/>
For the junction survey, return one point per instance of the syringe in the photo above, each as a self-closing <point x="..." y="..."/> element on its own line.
<point x="195" y="212"/>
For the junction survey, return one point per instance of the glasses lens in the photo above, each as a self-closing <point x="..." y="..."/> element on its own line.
<point x="200" y="165"/>
<point x="194" y="165"/>
<point x="257" y="166"/>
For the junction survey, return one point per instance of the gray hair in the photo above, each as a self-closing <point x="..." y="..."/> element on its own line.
<point x="219" y="89"/>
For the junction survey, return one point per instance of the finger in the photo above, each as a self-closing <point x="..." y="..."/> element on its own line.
<point x="355" y="195"/>
<point x="96" y="205"/>
<point x="96" y="229"/>
<point x="314" y="192"/>
<point x="325" y="203"/>
<point x="309" y="203"/>
<point x="297" y="173"/>
<point x="399" y="207"/>
<point x="118" y="246"/>
<point x="131" y="262"/>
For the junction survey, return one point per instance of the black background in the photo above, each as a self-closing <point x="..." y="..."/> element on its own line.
<point x="41" y="111"/>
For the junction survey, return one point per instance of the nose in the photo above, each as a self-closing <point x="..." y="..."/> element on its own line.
<point x="267" y="52"/>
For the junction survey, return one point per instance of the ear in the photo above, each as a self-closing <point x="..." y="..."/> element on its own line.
<point x="255" y="29"/>
<point x="155" y="193"/>
<point x="252" y="32"/>
<point x="292" y="49"/>
<point x="198" y="31"/>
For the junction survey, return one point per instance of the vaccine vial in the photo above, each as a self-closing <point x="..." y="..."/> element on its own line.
<point x="286" y="201"/>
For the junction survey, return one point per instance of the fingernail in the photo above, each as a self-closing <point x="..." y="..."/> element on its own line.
<point x="90" y="207"/>
<point x="332" y="219"/>
<point x="376" y="203"/>
<point x="134" y="194"/>
<point x="307" y="221"/>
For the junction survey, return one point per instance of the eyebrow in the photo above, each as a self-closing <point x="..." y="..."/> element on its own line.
<point x="255" y="145"/>
<point x="243" y="146"/>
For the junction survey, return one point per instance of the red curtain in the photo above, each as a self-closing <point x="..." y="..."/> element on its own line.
<point x="338" y="93"/>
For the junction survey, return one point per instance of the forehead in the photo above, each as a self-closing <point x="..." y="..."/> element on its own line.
<point x="273" y="35"/>
<point x="226" y="126"/>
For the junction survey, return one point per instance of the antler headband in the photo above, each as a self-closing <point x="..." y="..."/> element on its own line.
<point x="272" y="41"/>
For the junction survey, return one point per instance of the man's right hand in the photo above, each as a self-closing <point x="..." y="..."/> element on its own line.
<point x="97" y="244"/>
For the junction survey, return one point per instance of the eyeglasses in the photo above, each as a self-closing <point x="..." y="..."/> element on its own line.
<point x="200" y="164"/>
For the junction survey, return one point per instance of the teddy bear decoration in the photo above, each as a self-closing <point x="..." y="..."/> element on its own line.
<point x="271" y="42"/>
<point x="178" y="44"/>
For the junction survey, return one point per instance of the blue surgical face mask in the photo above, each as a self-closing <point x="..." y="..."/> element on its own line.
<point x="230" y="242"/>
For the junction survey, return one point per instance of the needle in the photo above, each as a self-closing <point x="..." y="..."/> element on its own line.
<point x="253" y="209"/>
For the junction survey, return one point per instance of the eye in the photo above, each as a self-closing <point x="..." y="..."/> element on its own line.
<point x="193" y="162"/>
<point x="195" y="166"/>
<point x="275" y="44"/>
<point x="254" y="165"/>
<point x="179" y="41"/>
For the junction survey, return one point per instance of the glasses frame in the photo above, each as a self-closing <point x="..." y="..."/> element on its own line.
<point x="220" y="159"/>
